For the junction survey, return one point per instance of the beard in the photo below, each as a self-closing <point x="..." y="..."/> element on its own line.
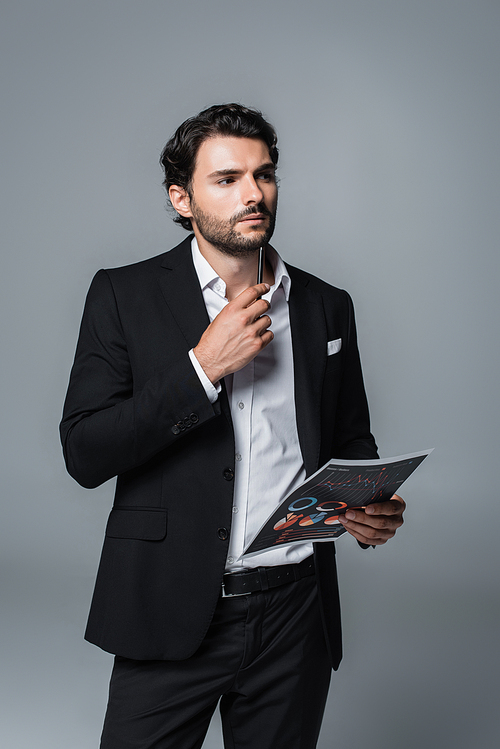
<point x="223" y="235"/>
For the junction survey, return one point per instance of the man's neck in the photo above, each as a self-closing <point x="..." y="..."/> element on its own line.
<point x="238" y="273"/>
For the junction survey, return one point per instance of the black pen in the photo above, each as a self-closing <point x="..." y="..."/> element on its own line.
<point x="260" y="271"/>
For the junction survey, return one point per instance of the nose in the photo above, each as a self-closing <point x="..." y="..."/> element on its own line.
<point x="251" y="192"/>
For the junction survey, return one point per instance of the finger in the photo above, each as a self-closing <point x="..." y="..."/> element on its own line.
<point x="262" y="288"/>
<point x="378" y="522"/>
<point x="266" y="338"/>
<point x="364" y="538"/>
<point x="250" y="295"/>
<point x="258" y="309"/>
<point x="262" y="324"/>
<point x="368" y="534"/>
<point x="394" y="506"/>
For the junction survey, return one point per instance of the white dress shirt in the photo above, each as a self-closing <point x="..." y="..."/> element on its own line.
<point x="268" y="460"/>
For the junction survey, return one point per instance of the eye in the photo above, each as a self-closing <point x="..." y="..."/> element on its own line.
<point x="266" y="176"/>
<point x="226" y="181"/>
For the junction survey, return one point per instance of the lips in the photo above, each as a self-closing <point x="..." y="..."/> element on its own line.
<point x="253" y="217"/>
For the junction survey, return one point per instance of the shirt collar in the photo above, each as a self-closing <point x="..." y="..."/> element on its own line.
<point x="209" y="278"/>
<point x="281" y="275"/>
<point x="206" y="274"/>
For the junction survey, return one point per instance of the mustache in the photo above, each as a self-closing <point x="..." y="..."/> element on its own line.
<point x="248" y="212"/>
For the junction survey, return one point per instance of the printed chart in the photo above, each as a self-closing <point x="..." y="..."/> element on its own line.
<point x="311" y="512"/>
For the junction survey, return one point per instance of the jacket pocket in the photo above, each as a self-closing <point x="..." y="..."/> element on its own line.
<point x="333" y="363"/>
<point x="146" y="525"/>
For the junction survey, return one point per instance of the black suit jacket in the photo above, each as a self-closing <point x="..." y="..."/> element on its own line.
<point x="135" y="409"/>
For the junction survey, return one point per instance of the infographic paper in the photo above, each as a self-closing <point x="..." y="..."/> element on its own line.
<point x="311" y="512"/>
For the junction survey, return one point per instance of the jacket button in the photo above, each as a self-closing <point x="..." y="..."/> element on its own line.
<point x="175" y="429"/>
<point x="228" y="474"/>
<point x="223" y="534"/>
<point x="180" y="425"/>
<point x="194" y="418"/>
<point x="187" y="422"/>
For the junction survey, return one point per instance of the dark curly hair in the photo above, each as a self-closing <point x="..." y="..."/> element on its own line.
<point x="178" y="158"/>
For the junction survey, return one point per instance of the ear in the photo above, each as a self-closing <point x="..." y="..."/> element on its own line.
<point x="180" y="200"/>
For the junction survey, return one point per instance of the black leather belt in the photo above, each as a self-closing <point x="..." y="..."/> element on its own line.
<point x="263" y="578"/>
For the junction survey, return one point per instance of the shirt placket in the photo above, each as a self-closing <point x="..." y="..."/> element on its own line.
<point x="241" y="413"/>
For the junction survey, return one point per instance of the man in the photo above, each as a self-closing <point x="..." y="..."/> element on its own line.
<point x="209" y="414"/>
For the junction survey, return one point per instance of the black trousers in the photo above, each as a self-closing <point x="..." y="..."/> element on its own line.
<point x="264" y="658"/>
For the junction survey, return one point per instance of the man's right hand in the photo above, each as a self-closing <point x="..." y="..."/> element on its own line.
<point x="236" y="335"/>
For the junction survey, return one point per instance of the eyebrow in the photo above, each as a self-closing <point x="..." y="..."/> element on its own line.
<point x="228" y="172"/>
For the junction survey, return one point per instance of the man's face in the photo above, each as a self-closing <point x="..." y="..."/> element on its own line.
<point x="233" y="194"/>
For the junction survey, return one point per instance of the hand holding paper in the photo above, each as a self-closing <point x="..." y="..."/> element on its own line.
<point x="357" y="496"/>
<point x="377" y="523"/>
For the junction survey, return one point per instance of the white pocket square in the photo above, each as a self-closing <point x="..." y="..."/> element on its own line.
<point x="333" y="347"/>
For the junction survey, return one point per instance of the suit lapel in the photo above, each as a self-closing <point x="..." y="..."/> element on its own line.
<point x="309" y="335"/>
<point x="182" y="293"/>
<point x="181" y="290"/>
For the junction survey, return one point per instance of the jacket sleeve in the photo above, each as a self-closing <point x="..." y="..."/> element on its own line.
<point x="109" y="425"/>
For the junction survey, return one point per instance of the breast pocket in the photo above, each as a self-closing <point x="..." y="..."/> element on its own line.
<point x="333" y="363"/>
<point x="333" y="347"/>
<point x="139" y="523"/>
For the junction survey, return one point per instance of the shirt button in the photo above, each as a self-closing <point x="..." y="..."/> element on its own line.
<point x="223" y="534"/>
<point x="241" y="405"/>
<point x="235" y="509"/>
<point x="228" y="474"/>
<point x="230" y="560"/>
<point x="238" y="456"/>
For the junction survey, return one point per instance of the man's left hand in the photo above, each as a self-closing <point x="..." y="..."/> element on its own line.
<point x="377" y="523"/>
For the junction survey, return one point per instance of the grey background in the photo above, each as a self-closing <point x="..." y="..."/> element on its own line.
<point x="388" y="120"/>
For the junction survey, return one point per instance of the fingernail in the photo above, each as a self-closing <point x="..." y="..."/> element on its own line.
<point x="369" y="510"/>
<point x="350" y="515"/>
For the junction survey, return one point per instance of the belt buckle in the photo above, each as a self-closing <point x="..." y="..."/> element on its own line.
<point x="231" y="595"/>
<point x="225" y="594"/>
